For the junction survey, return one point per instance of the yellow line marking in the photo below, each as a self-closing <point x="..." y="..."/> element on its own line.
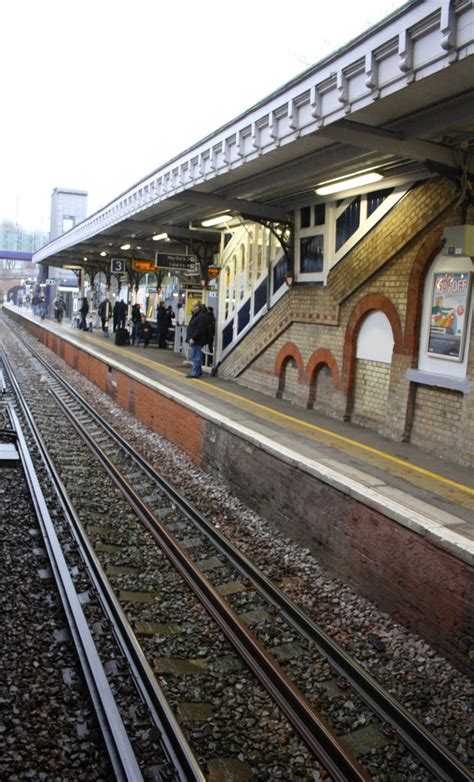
<point x="313" y="427"/>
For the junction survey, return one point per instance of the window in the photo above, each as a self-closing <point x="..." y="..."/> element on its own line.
<point x="320" y="214"/>
<point x="68" y="223"/>
<point x="305" y="217"/>
<point x="312" y="253"/>
<point x="348" y="222"/>
<point x="375" y="199"/>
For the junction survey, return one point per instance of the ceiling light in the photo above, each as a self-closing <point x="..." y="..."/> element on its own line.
<point x="218" y="220"/>
<point x="158" y="237"/>
<point x="347" y="184"/>
<point x="103" y="253"/>
<point x="125" y="246"/>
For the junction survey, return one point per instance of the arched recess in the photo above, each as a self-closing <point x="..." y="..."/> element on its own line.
<point x="320" y="359"/>
<point x="424" y="258"/>
<point x="375" y="301"/>
<point x="288" y="356"/>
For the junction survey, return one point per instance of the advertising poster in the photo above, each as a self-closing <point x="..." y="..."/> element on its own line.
<point x="449" y="315"/>
<point x="192" y="295"/>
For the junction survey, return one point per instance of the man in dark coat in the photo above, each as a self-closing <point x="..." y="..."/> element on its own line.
<point x="83" y="310"/>
<point x="162" y="324"/>
<point x="144" y="331"/>
<point x="197" y="336"/>
<point x="136" y="316"/>
<point x="123" y="313"/>
<point x="116" y="315"/>
<point x="105" y="311"/>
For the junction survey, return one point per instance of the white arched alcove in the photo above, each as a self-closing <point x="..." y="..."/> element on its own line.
<point x="375" y="339"/>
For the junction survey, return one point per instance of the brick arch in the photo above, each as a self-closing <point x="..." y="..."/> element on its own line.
<point x="424" y="258"/>
<point x="323" y="356"/>
<point x="289" y="350"/>
<point x="370" y="303"/>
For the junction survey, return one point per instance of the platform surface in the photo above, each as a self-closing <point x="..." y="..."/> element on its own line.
<point x="426" y="493"/>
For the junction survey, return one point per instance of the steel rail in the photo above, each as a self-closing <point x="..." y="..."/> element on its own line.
<point x="175" y="743"/>
<point x="120" y="752"/>
<point x="338" y="761"/>
<point x="433" y="754"/>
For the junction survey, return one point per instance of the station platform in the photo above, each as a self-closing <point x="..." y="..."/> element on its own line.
<point x="428" y="495"/>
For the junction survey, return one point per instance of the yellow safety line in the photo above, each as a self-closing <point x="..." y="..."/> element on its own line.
<point x="321" y="430"/>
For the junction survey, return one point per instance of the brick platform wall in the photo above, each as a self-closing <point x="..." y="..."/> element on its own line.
<point x="359" y="545"/>
<point x="372" y="380"/>
<point x="437" y="419"/>
<point x="323" y="388"/>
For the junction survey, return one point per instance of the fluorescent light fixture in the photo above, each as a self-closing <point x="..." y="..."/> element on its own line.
<point x="103" y="253"/>
<point x="348" y="184"/>
<point x="218" y="220"/>
<point x="125" y="246"/>
<point x="73" y="267"/>
<point x="159" y="237"/>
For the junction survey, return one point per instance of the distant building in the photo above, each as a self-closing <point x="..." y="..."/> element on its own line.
<point x="68" y="208"/>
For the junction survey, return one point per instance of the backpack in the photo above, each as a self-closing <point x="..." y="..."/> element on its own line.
<point x="122" y="337"/>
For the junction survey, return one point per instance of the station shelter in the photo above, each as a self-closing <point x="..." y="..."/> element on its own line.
<point x="331" y="226"/>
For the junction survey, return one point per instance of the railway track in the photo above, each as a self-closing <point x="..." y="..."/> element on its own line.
<point x="269" y="635"/>
<point x="122" y="756"/>
<point x="115" y="735"/>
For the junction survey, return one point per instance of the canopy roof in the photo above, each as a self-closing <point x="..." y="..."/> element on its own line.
<point x="399" y="99"/>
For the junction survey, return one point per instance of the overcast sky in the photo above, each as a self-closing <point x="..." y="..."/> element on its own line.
<point x="98" y="94"/>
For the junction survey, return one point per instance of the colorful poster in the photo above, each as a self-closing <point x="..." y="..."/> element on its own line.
<point x="192" y="295"/>
<point x="449" y="315"/>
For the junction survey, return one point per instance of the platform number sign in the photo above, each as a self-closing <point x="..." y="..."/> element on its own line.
<point x="117" y="265"/>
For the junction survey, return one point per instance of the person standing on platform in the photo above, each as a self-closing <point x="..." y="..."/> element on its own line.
<point x="162" y="321"/>
<point x="83" y="311"/>
<point x="197" y="335"/>
<point x="42" y="306"/>
<point x="105" y="311"/>
<point x="116" y="315"/>
<point x="136" y="320"/>
<point x="123" y="312"/>
<point x="144" y="331"/>
<point x="59" y="308"/>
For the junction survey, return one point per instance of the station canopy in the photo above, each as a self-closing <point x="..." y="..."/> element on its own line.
<point x="396" y="102"/>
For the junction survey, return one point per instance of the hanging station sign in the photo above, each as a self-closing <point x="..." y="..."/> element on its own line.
<point x="143" y="266"/>
<point x="176" y="262"/>
<point x="117" y="265"/>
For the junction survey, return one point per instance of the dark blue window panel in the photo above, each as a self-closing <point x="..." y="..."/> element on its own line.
<point x="243" y="317"/>
<point x="306" y="217"/>
<point x="376" y="198"/>
<point x="260" y="296"/>
<point x="280" y="271"/>
<point x="312" y="254"/>
<point x="348" y="222"/>
<point x="228" y="334"/>
<point x="320" y="214"/>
